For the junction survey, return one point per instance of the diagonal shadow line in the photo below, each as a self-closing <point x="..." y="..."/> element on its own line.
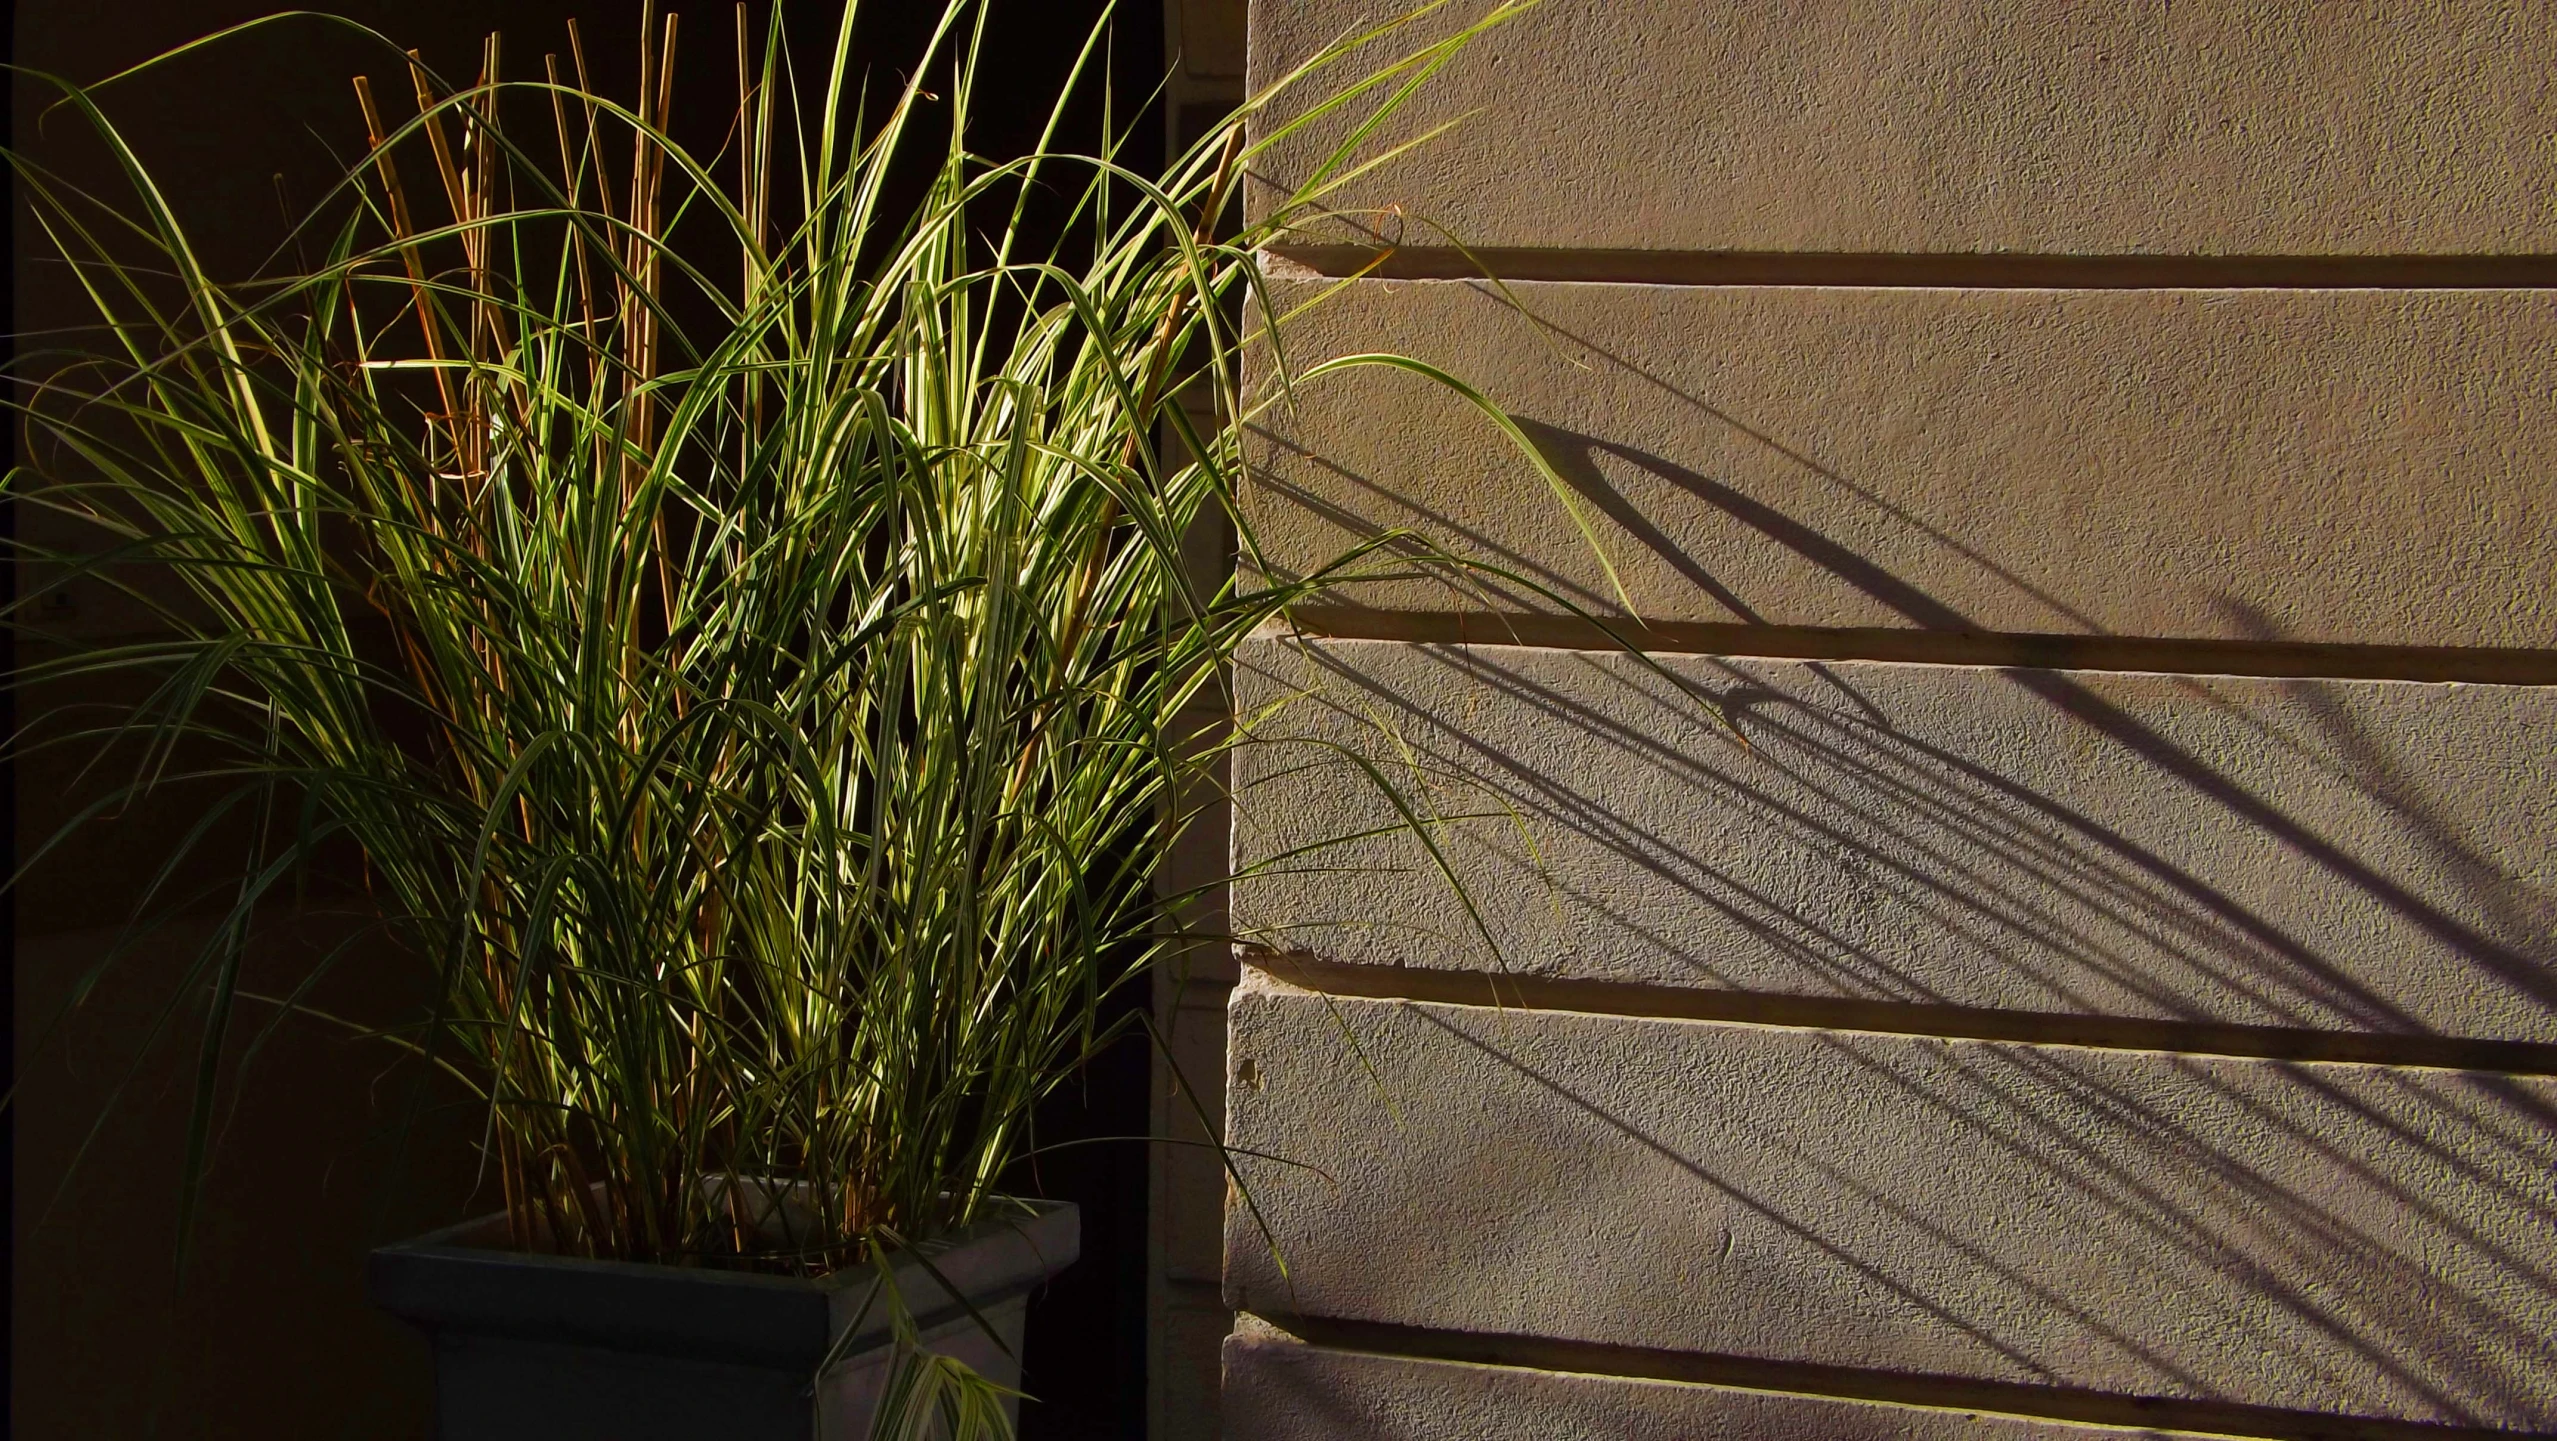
<point x="2202" y="896"/>
<point x="2136" y="911"/>
<point x="2077" y="701"/>
<point x="2301" y="1219"/>
<point x="1557" y="444"/>
<point x="1970" y="917"/>
<point x="2336" y="1237"/>
<point x="2103" y="716"/>
<point x="2147" y="1205"/>
<point x="2346" y="1240"/>
<point x="1774" y="446"/>
<point x="1839" y="946"/>
<point x="1351" y="523"/>
<point x="2365" y="764"/>
<point x="2515" y="968"/>
<point x="1916" y="1299"/>
<point x="2428" y="1143"/>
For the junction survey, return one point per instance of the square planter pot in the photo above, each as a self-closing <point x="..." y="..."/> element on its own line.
<point x="554" y="1348"/>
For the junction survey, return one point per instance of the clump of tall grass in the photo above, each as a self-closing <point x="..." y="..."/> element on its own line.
<point x="738" y="616"/>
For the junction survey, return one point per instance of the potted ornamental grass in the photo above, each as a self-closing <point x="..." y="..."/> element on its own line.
<point x="732" y="607"/>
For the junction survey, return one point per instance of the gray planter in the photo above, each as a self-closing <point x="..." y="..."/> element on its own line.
<point x="550" y="1348"/>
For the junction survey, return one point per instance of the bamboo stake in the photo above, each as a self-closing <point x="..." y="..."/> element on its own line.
<point x="594" y="136"/>
<point x="484" y="198"/>
<point x="403" y="228"/>
<point x="749" y="393"/>
<point x="463" y="427"/>
<point x="426" y="107"/>
<point x="665" y="108"/>
<point x="635" y="259"/>
<point x="604" y="460"/>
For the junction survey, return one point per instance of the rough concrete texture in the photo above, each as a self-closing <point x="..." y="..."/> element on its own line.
<point x="2348" y="465"/>
<point x="1967" y="125"/>
<point x="1278" y="1389"/>
<point x="2374" y="856"/>
<point x="2342" y="1239"/>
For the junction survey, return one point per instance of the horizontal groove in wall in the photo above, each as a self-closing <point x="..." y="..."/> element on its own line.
<point x="1903" y="1018"/>
<point x="2278" y="659"/>
<point x="1800" y="1378"/>
<point x="1938" y="271"/>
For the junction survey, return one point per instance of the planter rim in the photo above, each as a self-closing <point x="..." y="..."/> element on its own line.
<point x="452" y="1289"/>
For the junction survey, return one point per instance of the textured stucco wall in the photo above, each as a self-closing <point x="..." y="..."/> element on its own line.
<point x="1970" y="126"/>
<point x="2255" y="464"/>
<point x="2058" y="933"/>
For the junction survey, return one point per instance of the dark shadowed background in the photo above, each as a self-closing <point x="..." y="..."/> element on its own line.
<point x="267" y="1334"/>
